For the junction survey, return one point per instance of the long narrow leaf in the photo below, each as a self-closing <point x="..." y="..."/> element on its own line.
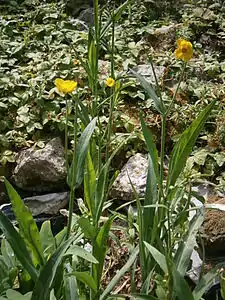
<point x="28" y="227"/>
<point x="87" y="279"/>
<point x="184" y="146"/>
<point x="151" y="147"/>
<point x="18" y="245"/>
<point x="82" y="148"/>
<point x="100" y="248"/>
<point x="184" y="251"/>
<point x="44" y="284"/>
<point x="158" y="257"/>
<point x="70" y="284"/>
<point x="151" y="92"/>
<point x="89" y="183"/>
<point x="181" y="287"/>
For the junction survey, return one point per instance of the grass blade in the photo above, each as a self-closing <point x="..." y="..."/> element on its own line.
<point x="181" y="287"/>
<point x="87" y="279"/>
<point x="150" y="146"/>
<point x="184" y="146"/>
<point x="28" y="227"/>
<point x="158" y="257"/>
<point x="184" y="251"/>
<point x="70" y="284"/>
<point x="82" y="149"/>
<point x="45" y="281"/>
<point x="18" y="245"/>
<point x="100" y="248"/>
<point x="151" y="92"/>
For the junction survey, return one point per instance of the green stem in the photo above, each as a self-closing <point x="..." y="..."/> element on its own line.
<point x="177" y="88"/>
<point x="95" y="73"/>
<point x="74" y="167"/>
<point x="66" y="137"/>
<point x="113" y="46"/>
<point x="162" y="154"/>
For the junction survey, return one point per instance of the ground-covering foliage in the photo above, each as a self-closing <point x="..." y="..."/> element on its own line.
<point x="60" y="78"/>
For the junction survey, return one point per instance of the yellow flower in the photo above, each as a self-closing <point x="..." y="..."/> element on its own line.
<point x="65" y="86"/>
<point x="184" y="50"/>
<point x="76" y="62"/>
<point x="110" y="82"/>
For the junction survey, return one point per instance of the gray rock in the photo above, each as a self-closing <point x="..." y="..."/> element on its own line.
<point x="136" y="168"/>
<point x="196" y="267"/>
<point x="74" y="7"/>
<point x="47" y="204"/>
<point x="147" y="73"/>
<point x="87" y="16"/>
<point x="41" y="170"/>
<point x="165" y="30"/>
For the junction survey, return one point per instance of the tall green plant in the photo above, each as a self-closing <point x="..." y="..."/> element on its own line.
<point x="160" y="239"/>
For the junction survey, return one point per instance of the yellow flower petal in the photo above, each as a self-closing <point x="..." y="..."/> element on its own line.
<point x="65" y="86"/>
<point x="184" y="50"/>
<point x="110" y="82"/>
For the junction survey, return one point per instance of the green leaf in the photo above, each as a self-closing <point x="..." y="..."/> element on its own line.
<point x="70" y="284"/>
<point x="87" y="279"/>
<point x="158" y="257"/>
<point x="100" y="248"/>
<point x="184" y="146"/>
<point x="81" y="252"/>
<point x="181" y="287"/>
<point x="28" y="227"/>
<point x="47" y="238"/>
<point x="8" y="254"/>
<point x="120" y="273"/>
<point x="82" y="149"/>
<point x="185" y="249"/>
<point x="151" y="92"/>
<point x="149" y="213"/>
<point x="87" y="228"/>
<point x="151" y="147"/>
<point x="14" y="295"/>
<point x="18" y="245"/>
<point x="45" y="281"/>
<point x="89" y="183"/>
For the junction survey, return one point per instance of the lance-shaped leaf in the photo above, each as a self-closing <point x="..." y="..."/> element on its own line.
<point x="151" y="92"/>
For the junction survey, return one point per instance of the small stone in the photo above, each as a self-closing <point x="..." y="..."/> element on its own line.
<point x="42" y="170"/>
<point x="136" y="168"/>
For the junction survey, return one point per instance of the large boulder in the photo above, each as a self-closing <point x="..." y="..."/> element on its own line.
<point x="136" y="168"/>
<point x="42" y="170"/>
<point x="213" y="230"/>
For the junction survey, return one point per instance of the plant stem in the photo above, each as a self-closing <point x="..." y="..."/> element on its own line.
<point x="95" y="73"/>
<point x="162" y="154"/>
<point x="73" y="170"/>
<point x="177" y="88"/>
<point x="66" y="137"/>
<point x="112" y="98"/>
<point x="113" y="46"/>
